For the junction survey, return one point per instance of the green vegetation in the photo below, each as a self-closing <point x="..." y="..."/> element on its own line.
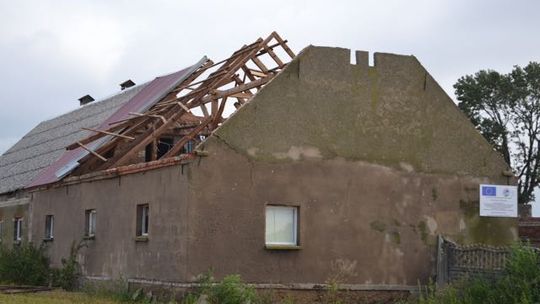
<point x="422" y="227"/>
<point x="378" y="226"/>
<point x="117" y="290"/>
<point x="54" y="297"/>
<point x="505" y="108"/>
<point x="231" y="290"/>
<point x="395" y="237"/>
<point x="520" y="284"/>
<point x="24" y="264"/>
<point x="68" y="276"/>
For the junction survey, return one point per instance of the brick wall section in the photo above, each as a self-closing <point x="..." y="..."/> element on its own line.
<point x="529" y="230"/>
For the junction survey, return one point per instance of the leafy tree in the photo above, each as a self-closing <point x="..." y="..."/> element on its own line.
<point x="505" y="108"/>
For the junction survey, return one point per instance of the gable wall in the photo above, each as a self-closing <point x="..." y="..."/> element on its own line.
<point x="393" y="114"/>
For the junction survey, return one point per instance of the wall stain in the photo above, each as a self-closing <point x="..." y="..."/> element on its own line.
<point x="378" y="226"/>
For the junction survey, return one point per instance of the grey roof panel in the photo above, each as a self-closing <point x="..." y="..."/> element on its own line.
<point x="47" y="141"/>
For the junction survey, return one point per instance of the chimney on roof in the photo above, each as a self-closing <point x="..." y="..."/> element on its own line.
<point x="127" y="84"/>
<point x="86" y="99"/>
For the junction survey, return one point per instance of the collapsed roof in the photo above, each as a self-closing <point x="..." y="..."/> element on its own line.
<point x="171" y="114"/>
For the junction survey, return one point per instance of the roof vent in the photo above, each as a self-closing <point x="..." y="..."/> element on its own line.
<point x="86" y="99"/>
<point x="127" y="84"/>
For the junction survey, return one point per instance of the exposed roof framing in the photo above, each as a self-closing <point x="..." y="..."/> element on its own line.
<point x="209" y="89"/>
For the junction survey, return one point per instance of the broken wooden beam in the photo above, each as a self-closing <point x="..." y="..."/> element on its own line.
<point x="92" y="152"/>
<point x="149" y="115"/>
<point x="109" y="133"/>
<point x="178" y="146"/>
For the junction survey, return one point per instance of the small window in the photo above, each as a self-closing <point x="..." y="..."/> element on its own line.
<point x="49" y="227"/>
<point x="143" y="212"/>
<point x="17" y="229"/>
<point x="281" y="226"/>
<point x="90" y="229"/>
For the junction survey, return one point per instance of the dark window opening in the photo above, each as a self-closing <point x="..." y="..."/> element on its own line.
<point x="90" y="219"/>
<point x="109" y="154"/>
<point x="164" y="145"/>
<point x="148" y="152"/>
<point x="143" y="217"/>
<point x="49" y="227"/>
<point x="17" y="229"/>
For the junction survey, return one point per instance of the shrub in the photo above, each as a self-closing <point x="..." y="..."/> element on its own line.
<point x="69" y="275"/>
<point x="231" y="290"/>
<point x="24" y="264"/>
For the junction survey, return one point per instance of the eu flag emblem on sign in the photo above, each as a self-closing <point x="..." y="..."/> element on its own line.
<point x="489" y="191"/>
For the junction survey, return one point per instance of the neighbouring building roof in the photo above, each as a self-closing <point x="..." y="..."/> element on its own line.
<point x="47" y="141"/>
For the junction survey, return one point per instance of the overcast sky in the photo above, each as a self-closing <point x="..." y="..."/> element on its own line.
<point x="53" y="52"/>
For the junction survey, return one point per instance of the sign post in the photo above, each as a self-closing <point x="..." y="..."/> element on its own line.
<point x="498" y="201"/>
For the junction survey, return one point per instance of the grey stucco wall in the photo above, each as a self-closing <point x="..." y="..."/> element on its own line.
<point x="367" y="223"/>
<point x="115" y="252"/>
<point x="9" y="210"/>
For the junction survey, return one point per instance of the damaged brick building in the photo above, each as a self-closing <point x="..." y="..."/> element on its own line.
<point x="283" y="168"/>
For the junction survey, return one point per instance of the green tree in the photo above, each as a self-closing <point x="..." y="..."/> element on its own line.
<point x="505" y="108"/>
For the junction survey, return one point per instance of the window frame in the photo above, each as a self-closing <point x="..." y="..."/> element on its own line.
<point x="49" y="227"/>
<point x="17" y="231"/>
<point x="296" y="228"/>
<point x="143" y="221"/>
<point x="90" y="223"/>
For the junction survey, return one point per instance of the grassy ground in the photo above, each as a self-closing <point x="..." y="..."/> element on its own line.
<point x="54" y="297"/>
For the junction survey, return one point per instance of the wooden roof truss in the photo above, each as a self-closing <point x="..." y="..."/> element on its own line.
<point x="208" y="92"/>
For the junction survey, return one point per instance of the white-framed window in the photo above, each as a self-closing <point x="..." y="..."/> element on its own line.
<point x="17" y="229"/>
<point x="49" y="227"/>
<point x="281" y="226"/>
<point x="90" y="229"/>
<point x="143" y="219"/>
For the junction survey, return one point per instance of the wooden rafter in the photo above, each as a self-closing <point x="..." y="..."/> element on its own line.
<point x="213" y="84"/>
